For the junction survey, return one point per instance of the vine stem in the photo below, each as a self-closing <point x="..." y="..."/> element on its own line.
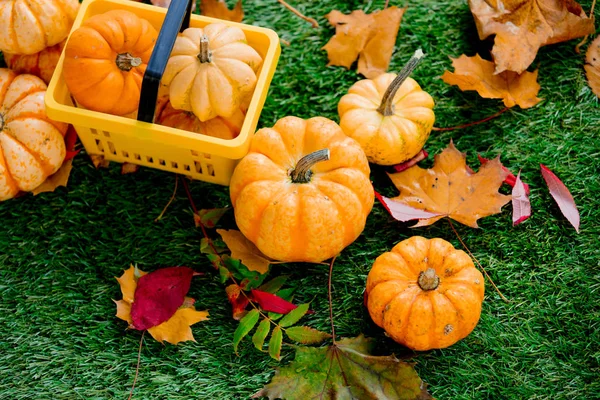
<point x="329" y="293"/>
<point x="477" y="261"/>
<point x="386" y="108"/>
<point x="313" y="21"/>
<point x="137" y="368"/>
<point x="481" y="121"/>
<point x="170" y="200"/>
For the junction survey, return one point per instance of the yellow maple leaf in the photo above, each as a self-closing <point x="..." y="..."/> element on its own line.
<point x="592" y="68"/>
<point x="219" y="9"/>
<point x="59" y="178"/>
<point x="176" y="329"/>
<point x="451" y="189"/>
<point x="245" y="251"/>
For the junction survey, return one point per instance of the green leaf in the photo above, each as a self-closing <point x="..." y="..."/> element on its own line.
<point x="206" y="248"/>
<point x="274" y="284"/>
<point x="261" y="334"/>
<point x="209" y="217"/>
<point x="345" y="370"/>
<point x="245" y="326"/>
<point x="275" y="343"/>
<point x="306" y="335"/>
<point x="224" y="274"/>
<point x="294" y="316"/>
<point x="247" y="279"/>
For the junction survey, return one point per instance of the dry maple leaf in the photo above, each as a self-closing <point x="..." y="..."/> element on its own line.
<point x="451" y="189"/>
<point x="245" y="251"/>
<point x="523" y="26"/>
<point x="218" y="9"/>
<point x="370" y="37"/>
<point x="59" y="178"/>
<point x="475" y="73"/>
<point x="592" y="68"/>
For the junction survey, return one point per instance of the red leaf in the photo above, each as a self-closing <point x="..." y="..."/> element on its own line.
<point x="403" y="212"/>
<point x="562" y="196"/>
<point x="407" y="164"/>
<point x="70" y="140"/>
<point x="510" y="178"/>
<point x="237" y="300"/>
<point x="520" y="202"/>
<point x="272" y="302"/>
<point x="158" y="295"/>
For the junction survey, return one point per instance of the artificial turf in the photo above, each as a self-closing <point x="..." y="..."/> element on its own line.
<point x="60" y="252"/>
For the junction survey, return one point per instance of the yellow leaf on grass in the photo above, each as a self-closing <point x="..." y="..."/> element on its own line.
<point x="128" y="283"/>
<point x="475" y="73"/>
<point x="245" y="251"/>
<point x="219" y="9"/>
<point x="452" y="189"/>
<point x="59" y="178"/>
<point x="592" y="68"/>
<point x="177" y="328"/>
<point x="123" y="310"/>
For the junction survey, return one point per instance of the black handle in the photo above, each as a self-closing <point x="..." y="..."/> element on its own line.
<point x="176" y="20"/>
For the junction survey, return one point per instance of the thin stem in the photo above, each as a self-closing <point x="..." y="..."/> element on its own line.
<point x="481" y="121"/>
<point x="386" y="108"/>
<point x="137" y="368"/>
<point x="387" y="2"/>
<point x="585" y="38"/>
<point x="170" y="200"/>
<point x="477" y="261"/>
<point x="314" y="22"/>
<point x="205" y="55"/>
<point x="302" y="173"/>
<point x="331" y="301"/>
<point x="126" y="61"/>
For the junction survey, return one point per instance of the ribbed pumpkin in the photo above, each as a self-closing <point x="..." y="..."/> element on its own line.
<point x="425" y="294"/>
<point x="302" y="193"/>
<point x="211" y="71"/>
<point x="390" y="116"/>
<point x="40" y="64"/>
<point x="29" y="26"/>
<point x="105" y="61"/>
<point x="32" y="147"/>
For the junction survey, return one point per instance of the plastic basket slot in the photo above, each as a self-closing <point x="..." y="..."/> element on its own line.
<point x="93" y="131"/>
<point x="149" y="160"/>
<point x="137" y="156"/>
<point x="162" y="162"/>
<point x="195" y="153"/>
<point x="107" y="134"/>
<point x="210" y="169"/>
<point x="198" y="166"/>
<point x="174" y="165"/>
<point x="207" y="156"/>
<point x="125" y="154"/>
<point x="100" y="146"/>
<point x="186" y="167"/>
<point x="112" y="148"/>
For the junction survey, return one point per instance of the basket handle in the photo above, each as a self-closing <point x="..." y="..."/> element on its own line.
<point x="176" y="20"/>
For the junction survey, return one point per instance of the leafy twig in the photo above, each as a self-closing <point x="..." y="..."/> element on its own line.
<point x="486" y="119"/>
<point x="313" y="22"/>
<point x="330" y="300"/>
<point x="170" y="200"/>
<point x="137" y="368"/>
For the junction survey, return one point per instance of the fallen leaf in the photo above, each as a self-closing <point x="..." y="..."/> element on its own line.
<point x="421" y="155"/>
<point x="238" y="301"/>
<point x="368" y="37"/>
<point x="403" y="212"/>
<point x="245" y="251"/>
<point x="510" y="179"/>
<point x="59" y="178"/>
<point x="345" y="370"/>
<point x="306" y="335"/>
<point x="562" y="196"/>
<point x="209" y="217"/>
<point x="219" y="9"/>
<point x="475" y="73"/>
<point x="99" y="161"/>
<point x="592" y="68"/>
<point x="272" y="302"/>
<point x="129" y="168"/>
<point x="167" y="3"/>
<point x="247" y="279"/>
<point x="520" y="202"/>
<point x="70" y="140"/>
<point x="450" y="189"/>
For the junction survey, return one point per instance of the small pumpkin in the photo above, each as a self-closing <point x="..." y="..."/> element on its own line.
<point x="32" y="146"/>
<point x="390" y="116"/>
<point x="302" y="193"/>
<point x="105" y="61"/>
<point x="40" y="64"/>
<point x="28" y="27"/>
<point x="425" y="294"/>
<point x="211" y="71"/>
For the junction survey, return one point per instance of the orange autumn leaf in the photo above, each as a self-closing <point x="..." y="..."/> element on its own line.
<point x="219" y="9"/>
<point x="368" y="37"/>
<point x="523" y="26"/>
<point x="592" y="68"/>
<point x="452" y="189"/>
<point x="245" y="251"/>
<point x="59" y="178"/>
<point x="475" y="73"/>
<point x="176" y="329"/>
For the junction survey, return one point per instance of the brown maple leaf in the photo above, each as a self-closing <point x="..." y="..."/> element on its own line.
<point x="523" y="26"/>
<point x="475" y="73"/>
<point x="219" y="9"/>
<point x="368" y="37"/>
<point x="245" y="251"/>
<point x="451" y="189"/>
<point x="59" y="178"/>
<point x="592" y="68"/>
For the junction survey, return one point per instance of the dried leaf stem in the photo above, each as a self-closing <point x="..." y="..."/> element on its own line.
<point x="329" y="292"/>
<point x="170" y="200"/>
<point x="481" y="121"/>
<point x="585" y="38"/>
<point x="137" y="368"/>
<point x="313" y="22"/>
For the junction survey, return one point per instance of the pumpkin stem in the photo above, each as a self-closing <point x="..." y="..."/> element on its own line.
<point x="386" y="108"/>
<point x="302" y="172"/>
<point x="428" y="280"/>
<point x="126" y="61"/>
<point x="1" y="122"/>
<point x="205" y="53"/>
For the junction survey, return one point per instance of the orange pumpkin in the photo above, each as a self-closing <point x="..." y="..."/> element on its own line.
<point x="105" y="61"/>
<point x="302" y="193"/>
<point x="32" y="147"/>
<point x="390" y="116"/>
<point x="211" y="71"/>
<point x="40" y="64"/>
<point x="425" y="294"/>
<point x="30" y="26"/>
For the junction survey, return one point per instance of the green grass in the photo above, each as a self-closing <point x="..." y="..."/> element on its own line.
<point x="60" y="252"/>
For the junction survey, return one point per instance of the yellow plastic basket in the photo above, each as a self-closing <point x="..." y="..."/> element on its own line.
<point x="124" y="139"/>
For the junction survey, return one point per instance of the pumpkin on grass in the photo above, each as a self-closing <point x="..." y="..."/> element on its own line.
<point x="105" y="61"/>
<point x="302" y="193"/>
<point x="425" y="294"/>
<point x="390" y="116"/>
<point x="211" y="71"/>
<point x="32" y="146"/>
<point x="40" y="64"/>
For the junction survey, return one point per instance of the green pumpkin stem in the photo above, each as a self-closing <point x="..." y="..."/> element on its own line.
<point x="126" y="61"/>
<point x="428" y="280"/>
<point x="386" y="108"/>
<point x="205" y="53"/>
<point x="302" y="172"/>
